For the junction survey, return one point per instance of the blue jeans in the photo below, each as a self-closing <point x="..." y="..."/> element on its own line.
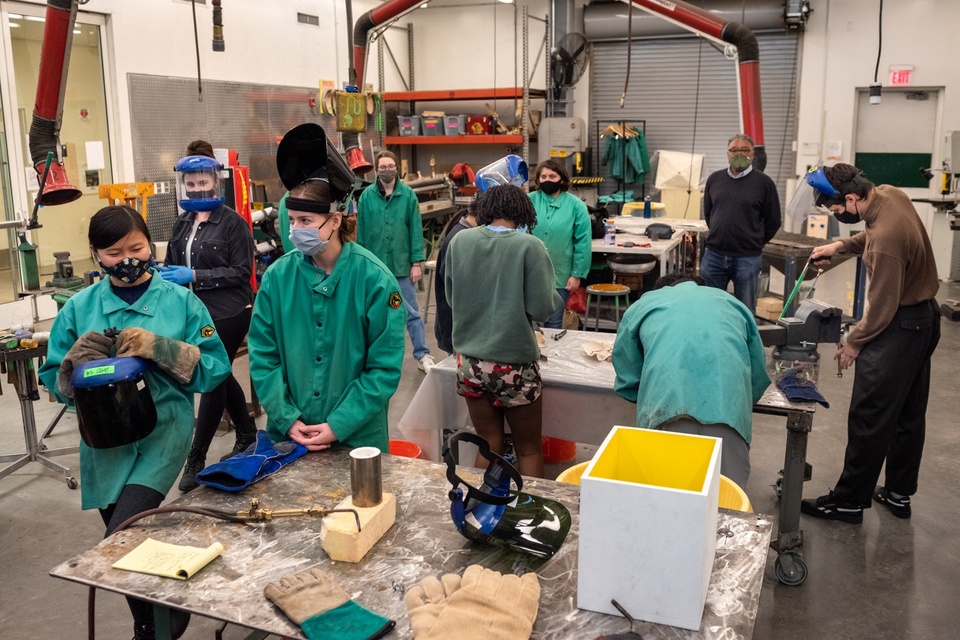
<point x="414" y="322"/>
<point x="718" y="270"/>
<point x="555" y="321"/>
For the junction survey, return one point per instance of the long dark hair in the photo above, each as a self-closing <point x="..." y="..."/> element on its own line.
<point x="111" y="224"/>
<point x="508" y="202"/>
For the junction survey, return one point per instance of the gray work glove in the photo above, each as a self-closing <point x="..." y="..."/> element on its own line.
<point x="484" y="606"/>
<point x="92" y="345"/>
<point x="177" y="359"/>
<point x="323" y="610"/>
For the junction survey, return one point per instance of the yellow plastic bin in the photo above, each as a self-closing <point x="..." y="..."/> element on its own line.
<point x="731" y="495"/>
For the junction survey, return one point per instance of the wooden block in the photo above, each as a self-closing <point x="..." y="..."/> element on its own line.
<point x="339" y="536"/>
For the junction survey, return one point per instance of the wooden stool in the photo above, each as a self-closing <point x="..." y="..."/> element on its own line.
<point x="601" y="291"/>
<point x="429" y="267"/>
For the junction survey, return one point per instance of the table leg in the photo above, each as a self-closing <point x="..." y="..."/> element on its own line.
<point x="788" y="543"/>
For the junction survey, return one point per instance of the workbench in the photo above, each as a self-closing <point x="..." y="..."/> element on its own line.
<point x="422" y="542"/>
<point x="23" y="364"/>
<point x="579" y="404"/>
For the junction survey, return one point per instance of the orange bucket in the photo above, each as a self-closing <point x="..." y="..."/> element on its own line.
<point x="557" y="450"/>
<point x="405" y="449"/>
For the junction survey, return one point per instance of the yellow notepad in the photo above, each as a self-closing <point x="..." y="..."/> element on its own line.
<point x="168" y="560"/>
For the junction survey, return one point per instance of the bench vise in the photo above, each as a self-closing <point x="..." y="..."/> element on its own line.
<point x="796" y="338"/>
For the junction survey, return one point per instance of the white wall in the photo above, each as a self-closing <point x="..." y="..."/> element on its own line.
<point x="839" y="56"/>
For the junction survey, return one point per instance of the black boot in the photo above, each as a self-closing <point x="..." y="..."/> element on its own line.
<point x="246" y="436"/>
<point x="195" y="463"/>
<point x="144" y="631"/>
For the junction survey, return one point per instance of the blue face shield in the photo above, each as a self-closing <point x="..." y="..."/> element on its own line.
<point x="199" y="183"/>
<point x="507" y="170"/>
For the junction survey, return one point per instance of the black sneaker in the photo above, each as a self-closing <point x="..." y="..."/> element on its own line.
<point x="830" y="507"/>
<point x="899" y="507"/>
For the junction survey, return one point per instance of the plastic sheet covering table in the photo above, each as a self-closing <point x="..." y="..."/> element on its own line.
<point x="578" y="399"/>
<point x="579" y="404"/>
<point x="422" y="542"/>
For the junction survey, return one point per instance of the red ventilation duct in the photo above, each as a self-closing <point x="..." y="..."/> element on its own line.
<point x="703" y="22"/>
<point x="48" y="110"/>
<point x="374" y="18"/>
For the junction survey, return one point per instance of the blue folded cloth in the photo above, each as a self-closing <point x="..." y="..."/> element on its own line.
<point x="801" y="390"/>
<point x="255" y="463"/>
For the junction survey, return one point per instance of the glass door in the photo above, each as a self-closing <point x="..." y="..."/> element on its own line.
<point x="84" y="134"/>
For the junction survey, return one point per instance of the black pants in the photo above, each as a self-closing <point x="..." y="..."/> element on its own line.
<point x="133" y="499"/>
<point x="228" y="394"/>
<point x="887" y="419"/>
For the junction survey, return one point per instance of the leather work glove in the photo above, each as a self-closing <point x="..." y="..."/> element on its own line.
<point x="177" y="359"/>
<point x="323" y="610"/>
<point x="486" y="606"/>
<point x="177" y="274"/>
<point x="92" y="345"/>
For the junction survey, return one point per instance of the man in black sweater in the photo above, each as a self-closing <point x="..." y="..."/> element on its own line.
<point x="742" y="210"/>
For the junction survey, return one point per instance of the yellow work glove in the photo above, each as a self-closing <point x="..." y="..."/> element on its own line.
<point x="92" y="345"/>
<point x="486" y="606"/>
<point x="177" y="359"/>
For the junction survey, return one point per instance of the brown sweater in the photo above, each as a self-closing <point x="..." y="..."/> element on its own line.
<point x="900" y="266"/>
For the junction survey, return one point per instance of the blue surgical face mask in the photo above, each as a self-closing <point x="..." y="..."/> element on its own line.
<point x="308" y="240"/>
<point x="522" y="229"/>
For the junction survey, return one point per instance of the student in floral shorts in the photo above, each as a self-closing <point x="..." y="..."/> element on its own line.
<point x="499" y="279"/>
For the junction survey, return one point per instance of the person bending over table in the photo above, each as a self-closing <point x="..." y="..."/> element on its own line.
<point x="161" y="322"/>
<point x="691" y="359"/>
<point x="497" y="281"/>
<point x="326" y="340"/>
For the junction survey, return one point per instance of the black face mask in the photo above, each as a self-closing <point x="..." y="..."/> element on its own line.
<point x="848" y="218"/>
<point x="550" y="187"/>
<point x="128" y="270"/>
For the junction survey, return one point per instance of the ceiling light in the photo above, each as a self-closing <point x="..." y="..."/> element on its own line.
<point x="506" y="1"/>
<point x="77" y="32"/>
<point x="15" y="16"/>
<point x="33" y="18"/>
<point x="13" y="25"/>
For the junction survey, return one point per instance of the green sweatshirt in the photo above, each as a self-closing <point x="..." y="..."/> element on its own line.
<point x="496" y="283"/>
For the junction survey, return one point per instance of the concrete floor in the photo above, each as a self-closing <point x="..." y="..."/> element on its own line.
<point x="884" y="579"/>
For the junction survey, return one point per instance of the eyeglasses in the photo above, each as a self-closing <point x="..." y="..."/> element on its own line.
<point x="745" y="151"/>
<point x="386" y="166"/>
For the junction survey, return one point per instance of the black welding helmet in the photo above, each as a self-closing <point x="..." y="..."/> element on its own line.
<point x="114" y="406"/>
<point x="306" y="153"/>
<point x="497" y="515"/>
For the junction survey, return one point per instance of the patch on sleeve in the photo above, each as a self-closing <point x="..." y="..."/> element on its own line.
<point x="395" y="300"/>
<point x="207" y="331"/>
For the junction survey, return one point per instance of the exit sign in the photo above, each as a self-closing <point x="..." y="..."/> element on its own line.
<point x="901" y="76"/>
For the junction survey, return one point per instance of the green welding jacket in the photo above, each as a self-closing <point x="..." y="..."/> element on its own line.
<point x="563" y="225"/>
<point x="283" y="224"/>
<point x="328" y="348"/>
<point x="688" y="350"/>
<point x="391" y="227"/>
<point x="165" y="309"/>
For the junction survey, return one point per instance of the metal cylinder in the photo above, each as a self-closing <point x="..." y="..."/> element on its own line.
<point x="365" y="478"/>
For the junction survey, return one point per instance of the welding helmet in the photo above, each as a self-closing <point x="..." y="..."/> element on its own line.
<point x="815" y="190"/>
<point x="497" y="515"/>
<point x="199" y="183"/>
<point x="507" y="170"/>
<point x="306" y="153"/>
<point x="114" y="405"/>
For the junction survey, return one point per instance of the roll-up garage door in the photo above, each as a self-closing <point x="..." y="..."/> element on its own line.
<point x="684" y="92"/>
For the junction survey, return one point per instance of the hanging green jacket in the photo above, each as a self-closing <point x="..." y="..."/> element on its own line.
<point x="627" y="158"/>
<point x="328" y="348"/>
<point x="563" y="225"/>
<point x="690" y="350"/>
<point x="165" y="309"/>
<point x="390" y="227"/>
